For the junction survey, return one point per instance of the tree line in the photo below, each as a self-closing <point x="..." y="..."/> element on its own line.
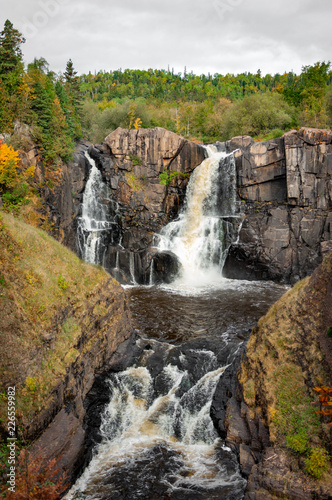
<point x="61" y="108"/>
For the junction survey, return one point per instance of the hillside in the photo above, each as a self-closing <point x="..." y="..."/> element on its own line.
<point x="61" y="320"/>
<point x="288" y="355"/>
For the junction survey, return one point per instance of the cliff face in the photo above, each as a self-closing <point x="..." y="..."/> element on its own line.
<point x="284" y="184"/>
<point x="130" y="162"/>
<point x="60" y="191"/>
<point x="271" y="417"/>
<point x="61" y="321"/>
<point x="286" y="188"/>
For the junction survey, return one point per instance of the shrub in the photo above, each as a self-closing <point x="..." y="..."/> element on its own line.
<point x="16" y="197"/>
<point x="31" y="383"/>
<point x="298" y="442"/>
<point x="316" y="463"/>
<point x="135" y="160"/>
<point x="62" y="283"/>
<point x="9" y="161"/>
<point x="166" y="178"/>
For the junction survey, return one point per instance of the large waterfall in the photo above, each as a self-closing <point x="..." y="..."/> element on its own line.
<point x="202" y="234"/>
<point x="156" y="438"/>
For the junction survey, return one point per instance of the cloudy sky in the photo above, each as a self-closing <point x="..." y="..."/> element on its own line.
<point x="216" y="36"/>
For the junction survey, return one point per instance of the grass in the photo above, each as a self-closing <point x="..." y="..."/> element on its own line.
<point x="134" y="182"/>
<point x="45" y="291"/>
<point x="284" y="363"/>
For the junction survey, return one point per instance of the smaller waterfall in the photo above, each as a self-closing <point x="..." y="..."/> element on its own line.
<point x="140" y="421"/>
<point x="201" y="236"/>
<point x="96" y="222"/>
<point x="132" y="267"/>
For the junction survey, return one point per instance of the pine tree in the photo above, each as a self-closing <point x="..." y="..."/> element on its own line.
<point x="11" y="65"/>
<point x="72" y="86"/>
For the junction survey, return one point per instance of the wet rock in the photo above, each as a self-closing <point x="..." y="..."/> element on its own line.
<point x="246" y="460"/>
<point x="165" y="267"/>
<point x="237" y="430"/>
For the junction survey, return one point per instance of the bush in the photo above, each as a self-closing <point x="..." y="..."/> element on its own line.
<point x="9" y="161"/>
<point x="258" y="115"/>
<point x="16" y="197"/>
<point x="166" y="178"/>
<point x="298" y="442"/>
<point x="316" y="463"/>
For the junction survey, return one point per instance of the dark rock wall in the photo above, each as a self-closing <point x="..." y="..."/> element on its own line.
<point x="293" y="334"/>
<point x="105" y="323"/>
<point x="285" y="186"/>
<point x="130" y="162"/>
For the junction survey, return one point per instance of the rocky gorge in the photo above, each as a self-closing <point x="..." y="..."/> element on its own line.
<point x="284" y="193"/>
<point x="284" y="197"/>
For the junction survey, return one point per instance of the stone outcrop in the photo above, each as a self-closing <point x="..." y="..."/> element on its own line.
<point x="285" y="186"/>
<point x="61" y="321"/>
<point x="131" y="162"/>
<point x="284" y="189"/>
<point x="61" y="190"/>
<point x="289" y="352"/>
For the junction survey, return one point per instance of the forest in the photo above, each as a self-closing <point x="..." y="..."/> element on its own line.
<point x="62" y="108"/>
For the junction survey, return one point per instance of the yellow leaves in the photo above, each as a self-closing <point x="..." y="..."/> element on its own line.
<point x="137" y="123"/>
<point x="9" y="161"/>
<point x="30" y="171"/>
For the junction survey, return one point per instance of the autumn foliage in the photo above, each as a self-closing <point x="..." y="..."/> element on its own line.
<point x="35" y="482"/>
<point x="9" y="161"/>
<point x="325" y="399"/>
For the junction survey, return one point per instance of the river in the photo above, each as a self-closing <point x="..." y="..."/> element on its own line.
<point x="158" y="440"/>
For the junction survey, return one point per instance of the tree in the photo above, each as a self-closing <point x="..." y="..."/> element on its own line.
<point x="72" y="86"/>
<point x="11" y="65"/>
<point x="314" y="79"/>
<point x="70" y="73"/>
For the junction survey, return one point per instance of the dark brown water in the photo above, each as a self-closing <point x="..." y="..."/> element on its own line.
<point x="175" y="315"/>
<point x="158" y="439"/>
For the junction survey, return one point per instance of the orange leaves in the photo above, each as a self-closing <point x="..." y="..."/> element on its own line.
<point x="325" y="399"/>
<point x="36" y="481"/>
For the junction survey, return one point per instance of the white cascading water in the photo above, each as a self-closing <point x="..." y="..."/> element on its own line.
<point x="132" y="424"/>
<point x="95" y="217"/>
<point x="198" y="236"/>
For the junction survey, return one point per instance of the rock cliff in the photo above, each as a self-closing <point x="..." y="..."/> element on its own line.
<point x="285" y="186"/>
<point x="271" y="418"/>
<point x="61" y="322"/>
<point x="131" y="162"/>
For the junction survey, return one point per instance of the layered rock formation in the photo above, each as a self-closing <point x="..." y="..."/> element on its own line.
<point x="286" y="188"/>
<point x="62" y="320"/>
<point x="271" y="417"/>
<point x="284" y="185"/>
<point x="131" y="162"/>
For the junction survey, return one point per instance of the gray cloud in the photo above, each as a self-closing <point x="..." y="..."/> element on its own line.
<point x="224" y="36"/>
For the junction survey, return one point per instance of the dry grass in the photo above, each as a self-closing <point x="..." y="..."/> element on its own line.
<point x="285" y="361"/>
<point x="44" y="288"/>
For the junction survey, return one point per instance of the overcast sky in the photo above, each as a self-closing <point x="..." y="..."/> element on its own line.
<point x="216" y="36"/>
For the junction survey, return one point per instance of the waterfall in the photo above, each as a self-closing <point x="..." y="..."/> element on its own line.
<point x="138" y="422"/>
<point x="97" y="221"/>
<point x="201" y="236"/>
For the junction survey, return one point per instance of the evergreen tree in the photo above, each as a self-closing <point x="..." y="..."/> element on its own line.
<point x="11" y="64"/>
<point x="72" y="87"/>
